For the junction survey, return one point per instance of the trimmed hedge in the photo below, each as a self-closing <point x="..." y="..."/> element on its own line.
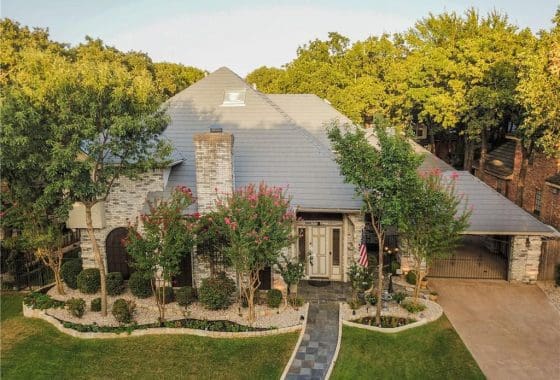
<point x="115" y="283"/>
<point x="95" y="304"/>
<point x="139" y="286"/>
<point x="216" y="292"/>
<point x="169" y="294"/>
<point x="274" y="298"/>
<point x="70" y="271"/>
<point x="76" y="307"/>
<point x="123" y="310"/>
<point x="185" y="295"/>
<point x="89" y="281"/>
<point x="411" y="277"/>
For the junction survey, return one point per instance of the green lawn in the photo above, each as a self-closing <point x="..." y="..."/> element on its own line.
<point x="33" y="349"/>
<point x="433" y="351"/>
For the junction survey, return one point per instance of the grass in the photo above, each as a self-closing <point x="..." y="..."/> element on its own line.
<point x="33" y="349"/>
<point x="433" y="351"/>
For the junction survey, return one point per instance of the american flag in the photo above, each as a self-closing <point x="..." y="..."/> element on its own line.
<point x="363" y="251"/>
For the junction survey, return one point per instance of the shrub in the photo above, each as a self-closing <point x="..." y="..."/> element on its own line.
<point x="399" y="297"/>
<point x="274" y="298"/>
<point x="411" y="277"/>
<point x="115" y="285"/>
<point x="70" y="271"/>
<point x="123" y="310"/>
<point x="89" y="281"/>
<point x="185" y="295"/>
<point x="370" y="298"/>
<point x="216" y="292"/>
<point x="413" y="307"/>
<point x="394" y="266"/>
<point x="139" y="286"/>
<point x="295" y="301"/>
<point x="360" y="277"/>
<point x="95" y="304"/>
<point x="76" y="307"/>
<point x="36" y="300"/>
<point x="169" y="294"/>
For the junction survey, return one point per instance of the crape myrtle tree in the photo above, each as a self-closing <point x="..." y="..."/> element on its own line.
<point x="434" y="223"/>
<point x="257" y="224"/>
<point x="161" y="239"/>
<point x="383" y="176"/>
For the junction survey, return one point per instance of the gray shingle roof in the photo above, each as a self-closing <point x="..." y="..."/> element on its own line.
<point x="500" y="160"/>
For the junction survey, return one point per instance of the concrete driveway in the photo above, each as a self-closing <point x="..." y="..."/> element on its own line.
<point x="512" y="330"/>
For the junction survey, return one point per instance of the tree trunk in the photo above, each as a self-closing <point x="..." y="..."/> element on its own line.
<point x="522" y="177"/>
<point x="58" y="281"/>
<point x="381" y="241"/>
<point x="98" y="258"/>
<point x="468" y="155"/>
<point x="432" y="144"/>
<point x="483" y="152"/>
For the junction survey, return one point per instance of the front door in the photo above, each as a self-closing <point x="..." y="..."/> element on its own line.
<point x="319" y="265"/>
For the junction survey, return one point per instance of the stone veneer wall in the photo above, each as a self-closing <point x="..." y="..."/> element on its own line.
<point x="125" y="203"/>
<point x="214" y="179"/>
<point x="524" y="258"/>
<point x="353" y="238"/>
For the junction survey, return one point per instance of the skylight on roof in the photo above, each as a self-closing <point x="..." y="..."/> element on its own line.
<point x="234" y="98"/>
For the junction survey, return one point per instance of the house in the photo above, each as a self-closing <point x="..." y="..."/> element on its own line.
<point x="227" y="134"/>
<point x="541" y="194"/>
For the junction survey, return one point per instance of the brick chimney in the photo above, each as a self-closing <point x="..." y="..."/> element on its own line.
<point x="214" y="167"/>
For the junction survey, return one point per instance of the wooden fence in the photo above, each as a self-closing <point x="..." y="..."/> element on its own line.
<point x="550" y="258"/>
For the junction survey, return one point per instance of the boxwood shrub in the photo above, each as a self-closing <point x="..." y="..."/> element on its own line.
<point x="70" y="271"/>
<point x="115" y="283"/>
<point x="185" y="295"/>
<point x="123" y="310"/>
<point x="95" y="304"/>
<point x="169" y="294"/>
<point x="274" y="298"/>
<point x="76" y="307"/>
<point x="411" y="277"/>
<point x="89" y="281"/>
<point x="139" y="286"/>
<point x="216" y="292"/>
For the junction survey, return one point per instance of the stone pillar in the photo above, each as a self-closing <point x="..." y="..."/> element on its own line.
<point x="214" y="168"/>
<point x="354" y="238"/>
<point x="525" y="253"/>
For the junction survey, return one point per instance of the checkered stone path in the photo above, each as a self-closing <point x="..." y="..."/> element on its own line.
<point x="316" y="350"/>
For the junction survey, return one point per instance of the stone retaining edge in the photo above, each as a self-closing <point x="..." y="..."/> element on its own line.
<point x="294" y="352"/>
<point x="41" y="314"/>
<point x="337" y="349"/>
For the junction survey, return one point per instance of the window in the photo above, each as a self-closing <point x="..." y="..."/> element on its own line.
<point x="234" y="98"/>
<point x="301" y="243"/>
<point x="336" y="246"/>
<point x="538" y="202"/>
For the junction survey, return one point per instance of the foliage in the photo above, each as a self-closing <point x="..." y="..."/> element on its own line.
<point x="185" y="295"/>
<point x="172" y="78"/>
<point x="360" y="278"/>
<point x="382" y="167"/>
<point x="296" y="301"/>
<point x="95" y="304"/>
<point x="41" y="301"/>
<point x="413" y="306"/>
<point x="274" y="298"/>
<point x="123" y="310"/>
<point x="370" y="298"/>
<point x="387" y="321"/>
<point x="211" y="243"/>
<point x="70" y="271"/>
<point x="165" y="294"/>
<point x="115" y="283"/>
<point x="165" y="237"/>
<point x="292" y="271"/>
<point x="434" y="224"/>
<point x="216" y="292"/>
<point x="76" y="307"/>
<point x="140" y="286"/>
<point x="89" y="281"/>
<point x="411" y="277"/>
<point x="398" y="297"/>
<point x="257" y="224"/>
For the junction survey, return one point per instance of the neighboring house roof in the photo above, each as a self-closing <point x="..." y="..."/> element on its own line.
<point x="499" y="161"/>
<point x="554" y="180"/>
<point x="492" y="213"/>
<point x="268" y="143"/>
<point x="281" y="139"/>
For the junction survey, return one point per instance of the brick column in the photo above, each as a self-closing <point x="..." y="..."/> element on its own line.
<point x="524" y="258"/>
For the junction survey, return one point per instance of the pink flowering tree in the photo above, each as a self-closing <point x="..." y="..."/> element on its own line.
<point x="433" y="226"/>
<point x="257" y="224"/>
<point x="158" y="244"/>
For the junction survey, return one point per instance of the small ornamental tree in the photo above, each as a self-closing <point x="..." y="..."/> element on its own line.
<point x="384" y="176"/>
<point x="257" y="224"/>
<point x="433" y="226"/>
<point x="164" y="237"/>
<point x="292" y="271"/>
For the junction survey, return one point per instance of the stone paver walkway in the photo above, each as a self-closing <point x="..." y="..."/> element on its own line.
<point x="317" y="348"/>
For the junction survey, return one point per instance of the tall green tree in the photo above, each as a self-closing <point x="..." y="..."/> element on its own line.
<point x="383" y="172"/>
<point x="172" y="78"/>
